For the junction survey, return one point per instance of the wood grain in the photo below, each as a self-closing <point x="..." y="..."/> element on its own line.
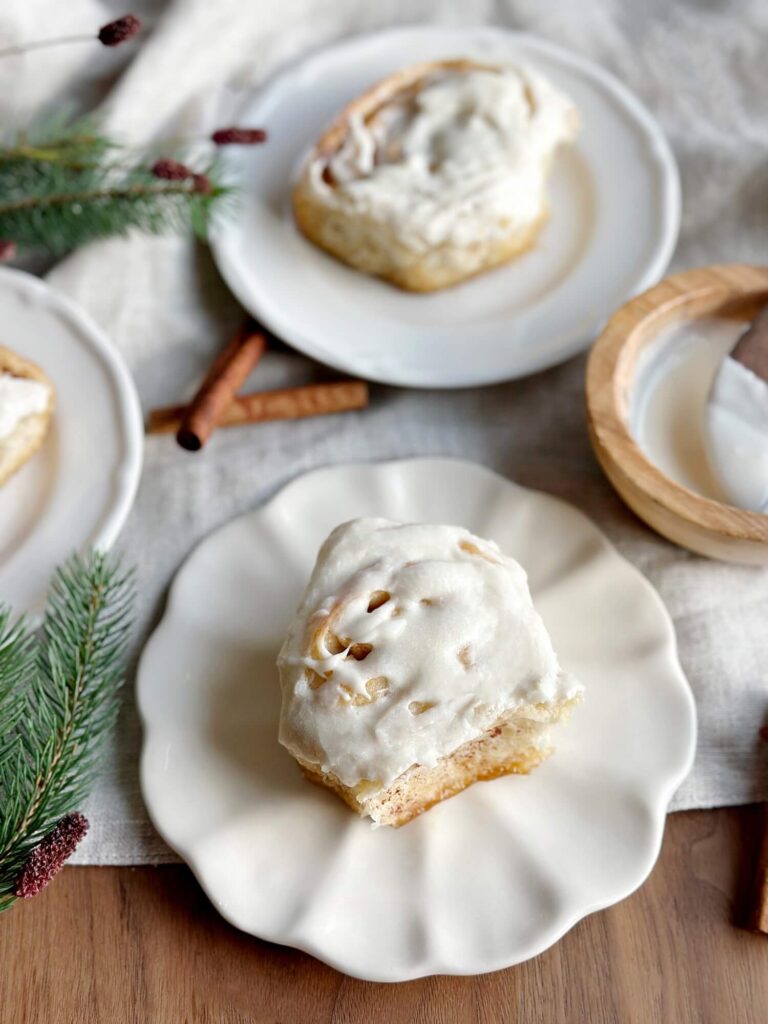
<point x="124" y="945"/>
<point x="695" y="522"/>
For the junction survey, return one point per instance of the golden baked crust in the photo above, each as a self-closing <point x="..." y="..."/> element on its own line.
<point x="30" y="433"/>
<point x="374" y="247"/>
<point x="514" y="745"/>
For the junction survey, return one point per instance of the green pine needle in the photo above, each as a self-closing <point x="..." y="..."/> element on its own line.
<point x="61" y="139"/>
<point x="58" y="701"/>
<point x="64" y="183"/>
<point x="16" y="665"/>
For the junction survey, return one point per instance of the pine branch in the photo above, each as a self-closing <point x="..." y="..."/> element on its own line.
<point x="62" y="139"/>
<point x="16" y="665"/>
<point x="80" y="213"/>
<point x="60" y="693"/>
<point x="136" y="192"/>
<point x="64" y="183"/>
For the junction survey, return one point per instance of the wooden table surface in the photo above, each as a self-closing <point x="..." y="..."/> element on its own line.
<point x="144" y="945"/>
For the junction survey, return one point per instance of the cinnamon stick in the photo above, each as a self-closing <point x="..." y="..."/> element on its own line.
<point x="225" y="376"/>
<point x="264" y="406"/>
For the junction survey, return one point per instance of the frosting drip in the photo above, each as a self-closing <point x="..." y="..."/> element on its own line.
<point x="410" y="641"/>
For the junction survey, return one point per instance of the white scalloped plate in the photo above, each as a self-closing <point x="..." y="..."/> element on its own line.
<point x="614" y="221"/>
<point x="78" y="489"/>
<point x="482" y="881"/>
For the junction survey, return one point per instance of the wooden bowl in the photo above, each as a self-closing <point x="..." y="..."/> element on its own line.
<point x="698" y="523"/>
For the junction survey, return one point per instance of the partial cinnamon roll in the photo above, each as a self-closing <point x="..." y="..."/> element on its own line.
<point x="27" y="399"/>
<point x="417" y="665"/>
<point x="437" y="173"/>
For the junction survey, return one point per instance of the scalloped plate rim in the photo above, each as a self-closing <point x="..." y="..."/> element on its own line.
<point x="657" y="803"/>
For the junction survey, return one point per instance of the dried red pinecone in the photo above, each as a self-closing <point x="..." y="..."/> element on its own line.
<point x="171" y="170"/>
<point x="238" y="136"/>
<point x="7" y="250"/>
<point x="48" y="857"/>
<point x="119" y="31"/>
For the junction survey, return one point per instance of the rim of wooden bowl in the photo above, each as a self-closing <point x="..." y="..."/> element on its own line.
<point x="725" y="290"/>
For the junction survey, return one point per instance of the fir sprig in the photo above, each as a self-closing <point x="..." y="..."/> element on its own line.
<point x="58" y="701"/>
<point x="63" y="184"/>
<point x="59" y="138"/>
<point x="16" y="666"/>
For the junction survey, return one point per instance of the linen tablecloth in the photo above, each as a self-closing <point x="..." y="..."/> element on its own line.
<point x="700" y="67"/>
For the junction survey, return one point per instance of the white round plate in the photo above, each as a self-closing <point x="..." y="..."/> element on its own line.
<point x="615" y="215"/>
<point x="77" y="490"/>
<point x="480" y="882"/>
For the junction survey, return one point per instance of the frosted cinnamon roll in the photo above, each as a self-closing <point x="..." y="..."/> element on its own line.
<point x="415" y="666"/>
<point x="436" y="173"/>
<point x="27" y="399"/>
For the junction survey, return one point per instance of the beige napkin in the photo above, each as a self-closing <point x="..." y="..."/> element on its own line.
<point x="700" y="68"/>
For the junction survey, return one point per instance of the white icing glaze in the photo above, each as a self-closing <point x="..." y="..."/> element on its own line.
<point x="703" y="418"/>
<point x="466" y="157"/>
<point x="738" y="435"/>
<point x="20" y="397"/>
<point x="458" y="633"/>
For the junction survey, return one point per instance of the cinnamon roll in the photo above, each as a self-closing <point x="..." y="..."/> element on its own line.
<point x="437" y="173"/>
<point x="27" y="398"/>
<point x="416" y="665"/>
